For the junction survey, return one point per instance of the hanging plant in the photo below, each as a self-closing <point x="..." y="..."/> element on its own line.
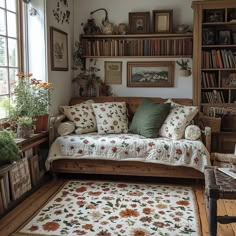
<point x="185" y="69"/>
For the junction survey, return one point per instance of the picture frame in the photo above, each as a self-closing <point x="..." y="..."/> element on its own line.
<point x="58" y="49"/>
<point x="150" y="74"/>
<point x="162" y="21"/>
<point x="139" y="22"/>
<point x="113" y="72"/>
<point x="208" y="36"/>
<point x="224" y="37"/>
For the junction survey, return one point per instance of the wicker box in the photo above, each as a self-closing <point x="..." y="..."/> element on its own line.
<point x="223" y="159"/>
<point x="19" y="178"/>
<point x="213" y="122"/>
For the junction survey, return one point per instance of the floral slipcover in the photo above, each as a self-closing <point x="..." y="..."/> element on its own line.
<point x="126" y="147"/>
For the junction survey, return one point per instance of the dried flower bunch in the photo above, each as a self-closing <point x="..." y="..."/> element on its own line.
<point x="30" y="97"/>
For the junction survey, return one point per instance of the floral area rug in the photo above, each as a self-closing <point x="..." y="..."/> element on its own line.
<point x="120" y="209"/>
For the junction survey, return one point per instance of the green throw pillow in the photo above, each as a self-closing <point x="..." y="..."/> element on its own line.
<point x="149" y="118"/>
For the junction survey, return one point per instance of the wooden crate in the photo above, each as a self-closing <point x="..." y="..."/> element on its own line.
<point x="20" y="181"/>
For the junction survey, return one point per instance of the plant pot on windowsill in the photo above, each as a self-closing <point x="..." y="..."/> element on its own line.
<point x="24" y="127"/>
<point x="41" y="123"/>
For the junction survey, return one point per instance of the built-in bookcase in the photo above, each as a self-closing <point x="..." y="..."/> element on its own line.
<point x="214" y="58"/>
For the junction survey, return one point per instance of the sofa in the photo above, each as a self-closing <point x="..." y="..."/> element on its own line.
<point x="120" y="149"/>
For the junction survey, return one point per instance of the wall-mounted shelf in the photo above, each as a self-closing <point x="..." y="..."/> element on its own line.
<point x="137" y="45"/>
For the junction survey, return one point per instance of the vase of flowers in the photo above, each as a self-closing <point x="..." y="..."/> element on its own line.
<point x="30" y="98"/>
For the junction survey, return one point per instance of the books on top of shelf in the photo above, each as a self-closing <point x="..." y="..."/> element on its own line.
<point x="228" y="171"/>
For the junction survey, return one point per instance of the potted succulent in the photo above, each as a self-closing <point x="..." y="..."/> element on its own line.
<point x="9" y="151"/>
<point x="185" y="69"/>
<point x="24" y="126"/>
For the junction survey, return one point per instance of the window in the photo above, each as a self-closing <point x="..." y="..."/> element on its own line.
<point x="10" y="50"/>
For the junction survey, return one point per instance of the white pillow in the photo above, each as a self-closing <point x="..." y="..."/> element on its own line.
<point x="83" y="117"/>
<point x="192" y="132"/>
<point x="111" y="117"/>
<point x="66" y="128"/>
<point x="179" y="117"/>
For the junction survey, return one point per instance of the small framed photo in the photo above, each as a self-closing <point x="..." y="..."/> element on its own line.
<point x="139" y="22"/>
<point x="162" y="21"/>
<point x="113" y="72"/>
<point x="224" y="37"/>
<point x="150" y="74"/>
<point x="59" y="49"/>
<point x="208" y="36"/>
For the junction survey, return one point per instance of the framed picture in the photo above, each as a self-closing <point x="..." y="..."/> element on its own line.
<point x="59" y="49"/>
<point x="139" y="22"/>
<point x="208" y="36"/>
<point x="150" y="74"/>
<point x="224" y="37"/>
<point x="162" y="21"/>
<point x="113" y="72"/>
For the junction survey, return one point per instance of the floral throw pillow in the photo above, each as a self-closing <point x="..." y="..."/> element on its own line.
<point x="111" y="117"/>
<point x="179" y="117"/>
<point x="83" y="117"/>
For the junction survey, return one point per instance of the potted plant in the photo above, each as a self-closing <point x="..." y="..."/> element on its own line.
<point x="185" y="69"/>
<point x="30" y="98"/>
<point x="24" y="126"/>
<point x="9" y="151"/>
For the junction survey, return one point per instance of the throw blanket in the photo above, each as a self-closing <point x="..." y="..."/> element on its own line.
<point x="126" y="147"/>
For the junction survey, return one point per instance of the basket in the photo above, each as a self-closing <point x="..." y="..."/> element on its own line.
<point x="213" y="122"/>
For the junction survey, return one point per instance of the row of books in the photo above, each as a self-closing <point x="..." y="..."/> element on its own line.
<point x="213" y="97"/>
<point x="208" y="80"/>
<point x="219" y="59"/>
<point x="137" y="47"/>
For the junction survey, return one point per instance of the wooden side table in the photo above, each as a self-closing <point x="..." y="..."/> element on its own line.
<point x="218" y="186"/>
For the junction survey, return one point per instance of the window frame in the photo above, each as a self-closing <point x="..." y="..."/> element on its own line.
<point x="20" y="41"/>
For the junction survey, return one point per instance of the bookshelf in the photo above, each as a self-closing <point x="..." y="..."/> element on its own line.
<point x="137" y="45"/>
<point x="21" y="178"/>
<point x="214" y="54"/>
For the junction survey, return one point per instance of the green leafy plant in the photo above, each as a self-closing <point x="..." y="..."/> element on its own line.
<point x="184" y="64"/>
<point x="30" y="97"/>
<point x="9" y="151"/>
<point x="25" y="121"/>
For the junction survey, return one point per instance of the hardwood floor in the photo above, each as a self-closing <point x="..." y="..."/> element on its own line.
<point x="10" y="222"/>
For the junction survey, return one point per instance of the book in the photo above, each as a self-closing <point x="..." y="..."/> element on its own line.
<point x="228" y="171"/>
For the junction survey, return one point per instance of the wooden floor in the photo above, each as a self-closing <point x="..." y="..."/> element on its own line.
<point x="10" y="222"/>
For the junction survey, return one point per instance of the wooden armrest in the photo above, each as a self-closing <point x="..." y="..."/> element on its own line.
<point x="207" y="138"/>
<point x="53" y="124"/>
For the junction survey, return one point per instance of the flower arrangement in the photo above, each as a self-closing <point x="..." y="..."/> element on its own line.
<point x="30" y="97"/>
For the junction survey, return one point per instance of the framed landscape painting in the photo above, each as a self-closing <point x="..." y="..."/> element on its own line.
<point x="150" y="74"/>
<point x="59" y="49"/>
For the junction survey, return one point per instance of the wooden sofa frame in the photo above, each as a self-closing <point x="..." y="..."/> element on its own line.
<point x="134" y="168"/>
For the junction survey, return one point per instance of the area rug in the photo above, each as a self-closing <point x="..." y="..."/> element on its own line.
<point x="121" y="209"/>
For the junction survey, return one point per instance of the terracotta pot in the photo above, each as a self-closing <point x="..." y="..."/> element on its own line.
<point x="185" y="73"/>
<point x="41" y="123"/>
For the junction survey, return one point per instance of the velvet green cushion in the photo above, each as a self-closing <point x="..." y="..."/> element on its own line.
<point x="148" y="118"/>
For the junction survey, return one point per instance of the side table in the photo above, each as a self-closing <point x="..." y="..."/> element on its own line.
<point x="218" y="186"/>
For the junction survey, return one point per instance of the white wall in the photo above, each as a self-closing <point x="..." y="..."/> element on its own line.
<point x="60" y="79"/>
<point x="118" y="13"/>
